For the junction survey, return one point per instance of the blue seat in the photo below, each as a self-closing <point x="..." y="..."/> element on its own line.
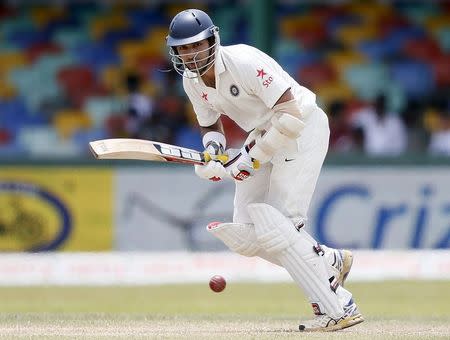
<point x="27" y="37"/>
<point x="337" y="22"/>
<point x="189" y="137"/>
<point x="293" y="63"/>
<point x="144" y="19"/>
<point x="97" y="55"/>
<point x="415" y="78"/>
<point x="82" y="138"/>
<point x="112" y="38"/>
<point x="399" y="36"/>
<point x="378" y="49"/>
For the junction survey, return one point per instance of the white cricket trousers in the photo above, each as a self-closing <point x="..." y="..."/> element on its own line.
<point x="288" y="181"/>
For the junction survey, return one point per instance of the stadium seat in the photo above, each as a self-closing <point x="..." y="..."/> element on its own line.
<point x="419" y="12"/>
<point x="102" y="24"/>
<point x="17" y="23"/>
<point x="376" y="50"/>
<point x="439" y="22"/>
<point x="298" y="61"/>
<point x="310" y="39"/>
<point x="443" y="37"/>
<point x="100" y="108"/>
<point x="314" y="75"/>
<point x="7" y="92"/>
<point x="334" y="90"/>
<point x="352" y="35"/>
<point x="399" y="36"/>
<point x="71" y="37"/>
<point x="441" y="70"/>
<point x="75" y="77"/>
<point x="424" y="50"/>
<point x="27" y="37"/>
<point x="414" y="77"/>
<point x="388" y="24"/>
<point x="341" y="61"/>
<point x="189" y="137"/>
<point x="370" y="12"/>
<point x="67" y="122"/>
<point x="10" y="61"/>
<point x="367" y="80"/>
<point x="41" y="16"/>
<point x="34" y="51"/>
<point x="115" y="126"/>
<point x="396" y="99"/>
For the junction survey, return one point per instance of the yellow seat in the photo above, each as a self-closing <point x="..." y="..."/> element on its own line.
<point x="332" y="91"/>
<point x="436" y="23"/>
<point x="369" y="11"/>
<point x="67" y="122"/>
<point x="352" y="35"/>
<point x="342" y="60"/>
<point x="112" y="77"/>
<point x="431" y="121"/>
<point x="155" y="41"/>
<point x="11" y="60"/>
<point x="43" y="15"/>
<point x="7" y="91"/>
<point x="150" y="89"/>
<point x="289" y="26"/>
<point x="130" y="51"/>
<point x="100" y="25"/>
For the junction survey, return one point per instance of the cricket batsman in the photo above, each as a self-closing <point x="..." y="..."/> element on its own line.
<point x="276" y="169"/>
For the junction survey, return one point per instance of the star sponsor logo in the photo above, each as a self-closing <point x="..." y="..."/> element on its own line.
<point x="204" y="96"/>
<point x="266" y="80"/>
<point x="261" y="73"/>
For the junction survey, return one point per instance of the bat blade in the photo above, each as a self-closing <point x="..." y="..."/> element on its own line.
<point x="139" y="149"/>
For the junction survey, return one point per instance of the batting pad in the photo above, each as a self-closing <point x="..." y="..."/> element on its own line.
<point x="240" y="238"/>
<point x="294" y="249"/>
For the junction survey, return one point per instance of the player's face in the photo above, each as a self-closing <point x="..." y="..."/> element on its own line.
<point x="195" y="56"/>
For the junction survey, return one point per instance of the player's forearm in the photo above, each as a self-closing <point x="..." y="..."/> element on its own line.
<point x="217" y="126"/>
<point x="213" y="138"/>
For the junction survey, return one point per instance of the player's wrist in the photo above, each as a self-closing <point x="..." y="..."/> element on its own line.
<point x="214" y="142"/>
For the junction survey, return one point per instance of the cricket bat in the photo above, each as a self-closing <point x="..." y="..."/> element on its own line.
<point x="139" y="149"/>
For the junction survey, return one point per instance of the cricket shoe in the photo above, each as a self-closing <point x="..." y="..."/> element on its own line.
<point x="339" y="260"/>
<point x="345" y="261"/>
<point x="324" y="323"/>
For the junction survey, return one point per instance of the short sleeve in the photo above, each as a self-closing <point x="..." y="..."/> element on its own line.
<point x="205" y="115"/>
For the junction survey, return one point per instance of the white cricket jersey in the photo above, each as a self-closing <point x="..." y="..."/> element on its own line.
<point x="248" y="84"/>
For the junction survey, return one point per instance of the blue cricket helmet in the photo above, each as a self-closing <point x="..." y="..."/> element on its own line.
<point x="190" y="26"/>
<point x="187" y="27"/>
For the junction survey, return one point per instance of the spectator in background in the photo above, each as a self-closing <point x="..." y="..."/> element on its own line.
<point x="416" y="134"/>
<point x="440" y="139"/>
<point x="139" y="108"/>
<point x="384" y="132"/>
<point x="169" y="114"/>
<point x="341" y="139"/>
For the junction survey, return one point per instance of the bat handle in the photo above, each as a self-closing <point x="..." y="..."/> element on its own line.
<point x="221" y="158"/>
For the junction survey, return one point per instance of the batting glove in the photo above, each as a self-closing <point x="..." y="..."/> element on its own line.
<point x="240" y="165"/>
<point x="213" y="170"/>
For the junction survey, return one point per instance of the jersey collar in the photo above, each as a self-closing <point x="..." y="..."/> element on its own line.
<point x="219" y="67"/>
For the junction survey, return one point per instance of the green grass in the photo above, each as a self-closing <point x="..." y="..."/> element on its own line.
<point x="403" y="309"/>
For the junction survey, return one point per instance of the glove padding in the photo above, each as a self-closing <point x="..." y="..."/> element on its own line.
<point x="213" y="170"/>
<point x="240" y="165"/>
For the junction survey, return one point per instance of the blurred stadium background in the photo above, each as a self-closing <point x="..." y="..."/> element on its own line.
<point x="75" y="71"/>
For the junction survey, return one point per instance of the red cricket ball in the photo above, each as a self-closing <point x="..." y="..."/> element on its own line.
<point x="217" y="283"/>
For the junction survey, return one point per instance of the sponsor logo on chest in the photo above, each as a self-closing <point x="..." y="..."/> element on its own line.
<point x="266" y="79"/>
